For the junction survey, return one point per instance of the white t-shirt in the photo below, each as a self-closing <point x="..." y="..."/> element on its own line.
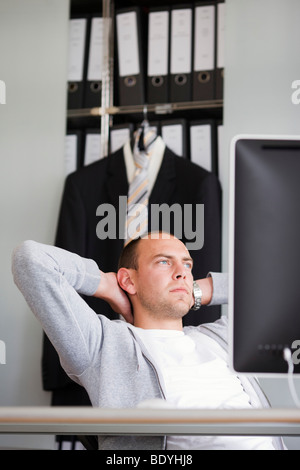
<point x="199" y="378"/>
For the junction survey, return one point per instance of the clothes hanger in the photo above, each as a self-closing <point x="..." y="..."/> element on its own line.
<point x="142" y="129"/>
<point x="144" y="126"/>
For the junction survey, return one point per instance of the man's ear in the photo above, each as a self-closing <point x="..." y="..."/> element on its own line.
<point x="125" y="280"/>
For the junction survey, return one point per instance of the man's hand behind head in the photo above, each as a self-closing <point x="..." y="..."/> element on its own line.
<point x="110" y="291"/>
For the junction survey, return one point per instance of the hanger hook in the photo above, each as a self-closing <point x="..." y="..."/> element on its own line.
<point x="145" y="111"/>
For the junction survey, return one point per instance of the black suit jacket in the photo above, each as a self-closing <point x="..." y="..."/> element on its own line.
<point x="179" y="181"/>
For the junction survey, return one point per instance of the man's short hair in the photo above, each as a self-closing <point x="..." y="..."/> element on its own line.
<point x="129" y="255"/>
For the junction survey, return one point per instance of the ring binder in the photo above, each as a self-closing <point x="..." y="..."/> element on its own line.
<point x="173" y="133"/>
<point x="158" y="55"/>
<point x="119" y="135"/>
<point x="130" y="57"/>
<point x="73" y="151"/>
<point x="93" y="83"/>
<point x="157" y="81"/>
<point x="77" y="61"/>
<point x="204" y="52"/>
<point x="203" y="144"/>
<point x="92" y="146"/>
<point x="181" y="53"/>
<point x="220" y="49"/>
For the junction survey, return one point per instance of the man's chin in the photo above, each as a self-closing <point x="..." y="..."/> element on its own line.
<point x="180" y="309"/>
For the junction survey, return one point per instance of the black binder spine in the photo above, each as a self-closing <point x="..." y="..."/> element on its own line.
<point x="158" y="83"/>
<point x="220" y="69"/>
<point x="204" y="78"/>
<point x="93" y="85"/>
<point x="131" y="78"/>
<point x="75" y="85"/>
<point x="181" y="78"/>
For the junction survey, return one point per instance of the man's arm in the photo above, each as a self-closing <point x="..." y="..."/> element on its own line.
<point x="51" y="280"/>
<point x="214" y="292"/>
<point x="214" y="289"/>
<point x="110" y="291"/>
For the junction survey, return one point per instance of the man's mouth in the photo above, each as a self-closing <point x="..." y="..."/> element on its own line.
<point x="180" y="290"/>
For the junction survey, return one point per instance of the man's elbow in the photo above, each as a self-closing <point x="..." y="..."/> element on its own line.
<point x="23" y="260"/>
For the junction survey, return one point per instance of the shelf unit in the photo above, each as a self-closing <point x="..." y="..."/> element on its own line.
<point x="167" y="108"/>
<point x="104" y="115"/>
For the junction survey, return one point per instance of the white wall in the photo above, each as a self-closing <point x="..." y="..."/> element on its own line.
<point x="33" y="51"/>
<point x="262" y="61"/>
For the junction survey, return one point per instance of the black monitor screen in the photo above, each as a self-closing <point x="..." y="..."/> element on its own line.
<point x="266" y="254"/>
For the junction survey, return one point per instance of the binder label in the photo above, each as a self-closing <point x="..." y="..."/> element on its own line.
<point x="158" y="43"/>
<point x="185" y="219"/>
<point x="118" y="137"/>
<point x="221" y="36"/>
<point x="181" y="41"/>
<point x="204" y="54"/>
<point x="70" y="153"/>
<point x="92" y="148"/>
<point x="96" y="50"/>
<point x="200" y="137"/>
<point x="2" y="92"/>
<point x="77" y="32"/>
<point x="173" y="138"/>
<point x="128" y="44"/>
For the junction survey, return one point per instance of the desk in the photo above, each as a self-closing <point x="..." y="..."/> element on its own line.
<point x="140" y="421"/>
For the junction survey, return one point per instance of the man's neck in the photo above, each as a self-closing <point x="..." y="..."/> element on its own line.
<point x="149" y="323"/>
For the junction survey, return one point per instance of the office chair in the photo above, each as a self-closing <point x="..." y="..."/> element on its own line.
<point x="88" y="442"/>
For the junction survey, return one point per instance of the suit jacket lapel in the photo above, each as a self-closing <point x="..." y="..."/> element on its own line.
<point x="117" y="184"/>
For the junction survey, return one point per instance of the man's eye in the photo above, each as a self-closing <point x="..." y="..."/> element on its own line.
<point x="163" y="261"/>
<point x="188" y="265"/>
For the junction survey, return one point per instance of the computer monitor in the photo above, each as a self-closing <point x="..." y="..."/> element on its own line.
<point x="264" y="254"/>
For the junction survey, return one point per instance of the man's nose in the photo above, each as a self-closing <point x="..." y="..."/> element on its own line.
<point x="179" y="276"/>
<point x="179" y="272"/>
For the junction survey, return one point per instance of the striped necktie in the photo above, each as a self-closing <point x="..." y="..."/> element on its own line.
<point x="138" y="194"/>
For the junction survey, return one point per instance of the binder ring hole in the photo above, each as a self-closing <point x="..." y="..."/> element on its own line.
<point x="204" y="77"/>
<point x="130" y="81"/>
<point x="95" y="87"/>
<point x="157" y="81"/>
<point x="180" y="80"/>
<point x="73" y="87"/>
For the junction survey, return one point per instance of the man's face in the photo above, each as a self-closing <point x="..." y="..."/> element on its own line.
<point x="164" y="278"/>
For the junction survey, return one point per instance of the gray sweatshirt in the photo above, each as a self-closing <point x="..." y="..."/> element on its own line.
<point x="104" y="356"/>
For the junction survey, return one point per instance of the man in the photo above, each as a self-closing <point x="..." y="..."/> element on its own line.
<point x="123" y="364"/>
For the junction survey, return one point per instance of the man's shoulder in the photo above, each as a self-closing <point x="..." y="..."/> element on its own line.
<point x="101" y="167"/>
<point x="218" y="327"/>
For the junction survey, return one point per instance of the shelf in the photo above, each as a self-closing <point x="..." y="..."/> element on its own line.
<point x="159" y="109"/>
